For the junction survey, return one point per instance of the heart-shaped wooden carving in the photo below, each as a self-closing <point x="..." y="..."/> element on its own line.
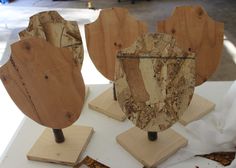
<point x="114" y="29"/>
<point x="44" y="82"/>
<point x="53" y="28"/>
<point x="195" y="31"/>
<point x="154" y="81"/>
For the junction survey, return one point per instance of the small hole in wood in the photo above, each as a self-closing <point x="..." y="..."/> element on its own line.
<point x="115" y="44"/>
<point x="46" y="77"/>
<point x="189" y="49"/>
<point x="26" y="46"/>
<point x="173" y="31"/>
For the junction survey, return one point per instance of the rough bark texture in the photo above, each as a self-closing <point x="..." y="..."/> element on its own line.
<point x="44" y="82"/>
<point x="154" y="81"/>
<point x="52" y="27"/>
<point x="89" y="162"/>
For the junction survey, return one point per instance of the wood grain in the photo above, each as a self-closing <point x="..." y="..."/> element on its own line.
<point x="151" y="154"/>
<point x="104" y="103"/>
<point x="114" y="29"/>
<point x="44" y="82"/>
<point x="67" y="153"/>
<point x="195" y="31"/>
<point x="155" y="81"/>
<point x="50" y="26"/>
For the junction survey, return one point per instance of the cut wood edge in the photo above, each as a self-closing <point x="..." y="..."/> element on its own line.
<point x="151" y="153"/>
<point x="105" y="104"/>
<point x="47" y="150"/>
<point x="198" y="108"/>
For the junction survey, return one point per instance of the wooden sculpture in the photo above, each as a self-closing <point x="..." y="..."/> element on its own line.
<point x="53" y="28"/>
<point x="114" y="29"/>
<point x="44" y="82"/>
<point x="195" y="31"/>
<point x="155" y="81"/>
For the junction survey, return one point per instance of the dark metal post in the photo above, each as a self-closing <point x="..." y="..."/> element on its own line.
<point x="114" y="92"/>
<point x="59" y="136"/>
<point x="152" y="136"/>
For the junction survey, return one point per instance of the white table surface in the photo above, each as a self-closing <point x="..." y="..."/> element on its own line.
<point x="102" y="146"/>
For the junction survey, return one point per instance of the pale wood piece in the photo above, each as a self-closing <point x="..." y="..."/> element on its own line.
<point x="50" y="26"/>
<point x="195" y="31"/>
<point x="105" y="104"/>
<point x="68" y="153"/>
<point x="199" y="106"/>
<point x="44" y="82"/>
<point x="155" y="81"/>
<point x="115" y="28"/>
<point x="151" y="153"/>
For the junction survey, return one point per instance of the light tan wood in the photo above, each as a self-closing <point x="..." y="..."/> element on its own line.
<point x="105" y="104"/>
<point x="46" y="149"/>
<point x="155" y="81"/>
<point x="199" y="106"/>
<point x="44" y="82"/>
<point x="115" y="28"/>
<point x="151" y="153"/>
<point x="195" y="31"/>
<point x="50" y="26"/>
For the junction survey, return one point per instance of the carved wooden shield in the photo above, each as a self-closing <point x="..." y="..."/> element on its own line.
<point x="52" y="27"/>
<point x="154" y="81"/>
<point x="114" y="29"/>
<point x="195" y="31"/>
<point x="44" y="82"/>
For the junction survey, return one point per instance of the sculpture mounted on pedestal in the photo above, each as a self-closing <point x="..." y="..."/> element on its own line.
<point x="155" y="81"/>
<point x="114" y="29"/>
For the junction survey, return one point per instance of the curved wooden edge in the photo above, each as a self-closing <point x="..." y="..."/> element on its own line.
<point x="8" y="78"/>
<point x="122" y="12"/>
<point x="200" y="77"/>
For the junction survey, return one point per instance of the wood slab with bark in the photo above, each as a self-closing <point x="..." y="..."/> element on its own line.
<point x="44" y="82"/>
<point x="155" y="81"/>
<point x="50" y="26"/>
<point x="114" y="29"/>
<point x="195" y="31"/>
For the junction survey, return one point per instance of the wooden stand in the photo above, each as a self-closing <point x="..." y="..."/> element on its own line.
<point x="106" y="104"/>
<point x="151" y="153"/>
<point x="67" y="153"/>
<point x="199" y="106"/>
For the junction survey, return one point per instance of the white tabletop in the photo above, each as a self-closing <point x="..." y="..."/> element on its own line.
<point x="102" y="146"/>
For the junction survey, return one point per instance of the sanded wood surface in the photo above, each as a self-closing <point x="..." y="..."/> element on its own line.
<point x="50" y="26"/>
<point x="44" y="82"/>
<point x="104" y="103"/>
<point x="198" y="107"/>
<point x="195" y="31"/>
<point x="155" y="81"/>
<point x="46" y="149"/>
<point x="114" y="29"/>
<point x="151" y="154"/>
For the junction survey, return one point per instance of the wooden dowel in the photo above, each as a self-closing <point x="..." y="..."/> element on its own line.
<point x="114" y="92"/>
<point x="59" y="136"/>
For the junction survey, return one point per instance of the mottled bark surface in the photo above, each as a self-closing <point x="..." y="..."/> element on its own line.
<point x="52" y="27"/>
<point x="154" y="81"/>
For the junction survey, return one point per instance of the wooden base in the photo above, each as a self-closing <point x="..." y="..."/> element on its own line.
<point x="198" y="107"/>
<point x="105" y="104"/>
<point x="151" y="153"/>
<point x="67" y="153"/>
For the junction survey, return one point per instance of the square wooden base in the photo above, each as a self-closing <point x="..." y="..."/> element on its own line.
<point x="67" y="153"/>
<point x="151" y="153"/>
<point x="105" y="104"/>
<point x="199" y="106"/>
